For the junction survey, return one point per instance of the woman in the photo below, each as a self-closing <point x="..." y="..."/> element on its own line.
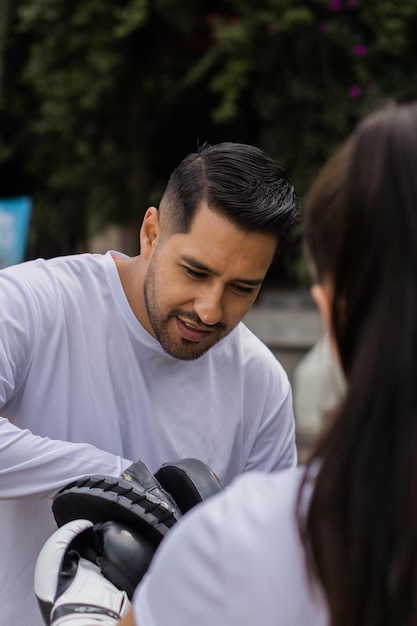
<point x="361" y="231"/>
<point x="333" y="543"/>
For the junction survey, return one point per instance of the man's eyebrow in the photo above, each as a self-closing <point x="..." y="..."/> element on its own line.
<point x="204" y="268"/>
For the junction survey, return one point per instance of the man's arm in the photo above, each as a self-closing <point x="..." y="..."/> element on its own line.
<point x="31" y="465"/>
<point x="274" y="447"/>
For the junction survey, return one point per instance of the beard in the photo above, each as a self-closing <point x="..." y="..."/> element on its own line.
<point x="175" y="346"/>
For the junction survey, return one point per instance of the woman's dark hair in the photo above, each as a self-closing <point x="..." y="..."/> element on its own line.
<point x="360" y="531"/>
<point x="240" y="182"/>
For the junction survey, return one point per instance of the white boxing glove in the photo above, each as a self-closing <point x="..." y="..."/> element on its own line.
<point x="69" y="586"/>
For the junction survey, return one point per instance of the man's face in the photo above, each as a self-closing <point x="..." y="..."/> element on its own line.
<point x="199" y="285"/>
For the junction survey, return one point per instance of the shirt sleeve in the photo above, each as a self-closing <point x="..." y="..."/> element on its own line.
<point x="271" y="439"/>
<point x="275" y="444"/>
<point x="33" y="465"/>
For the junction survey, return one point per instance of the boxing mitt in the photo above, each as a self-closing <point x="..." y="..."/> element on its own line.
<point x="135" y="499"/>
<point x="148" y="503"/>
<point x="68" y="582"/>
<point x="189" y="481"/>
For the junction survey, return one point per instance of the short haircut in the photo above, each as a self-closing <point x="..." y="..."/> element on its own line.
<point x="238" y="181"/>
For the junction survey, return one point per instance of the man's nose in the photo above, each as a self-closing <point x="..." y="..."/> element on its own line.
<point x="209" y="306"/>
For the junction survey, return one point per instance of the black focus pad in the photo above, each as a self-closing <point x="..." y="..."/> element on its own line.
<point x="139" y="473"/>
<point x="107" y="498"/>
<point x="124" y="555"/>
<point x="189" y="481"/>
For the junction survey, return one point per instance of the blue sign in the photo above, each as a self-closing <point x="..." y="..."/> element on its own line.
<point x="14" y="226"/>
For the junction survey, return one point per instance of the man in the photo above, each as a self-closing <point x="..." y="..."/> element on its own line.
<point x="106" y="359"/>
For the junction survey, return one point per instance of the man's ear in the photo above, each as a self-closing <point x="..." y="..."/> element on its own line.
<point x="149" y="232"/>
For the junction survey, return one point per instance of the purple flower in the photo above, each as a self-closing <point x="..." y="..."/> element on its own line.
<point x="355" y="92"/>
<point x="360" y="50"/>
<point x="323" y="27"/>
<point x="335" y="5"/>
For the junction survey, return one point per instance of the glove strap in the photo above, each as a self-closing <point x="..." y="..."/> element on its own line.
<point x="78" y="615"/>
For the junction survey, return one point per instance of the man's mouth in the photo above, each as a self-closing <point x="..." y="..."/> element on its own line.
<point x="191" y="332"/>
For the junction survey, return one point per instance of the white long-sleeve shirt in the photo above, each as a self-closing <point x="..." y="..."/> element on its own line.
<point x="85" y="389"/>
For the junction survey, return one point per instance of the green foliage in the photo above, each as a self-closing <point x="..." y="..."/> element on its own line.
<point x="100" y="99"/>
<point x="130" y="17"/>
<point x="310" y="70"/>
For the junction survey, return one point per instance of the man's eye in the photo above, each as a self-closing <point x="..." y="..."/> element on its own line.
<point x="242" y="289"/>
<point x="194" y="273"/>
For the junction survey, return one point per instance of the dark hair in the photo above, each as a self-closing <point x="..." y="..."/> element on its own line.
<point x="240" y="182"/>
<point x="360" y="531"/>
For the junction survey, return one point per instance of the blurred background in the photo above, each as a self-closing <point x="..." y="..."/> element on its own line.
<point x="101" y="99"/>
